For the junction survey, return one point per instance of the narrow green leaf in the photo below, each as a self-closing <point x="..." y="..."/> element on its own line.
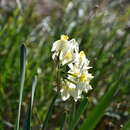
<point x="78" y="112"/>
<point x="29" y="112"/>
<point x="49" y="113"/>
<point x="63" y="122"/>
<point x="96" y="114"/>
<point x="22" y="79"/>
<point x="71" y="114"/>
<point x="33" y="90"/>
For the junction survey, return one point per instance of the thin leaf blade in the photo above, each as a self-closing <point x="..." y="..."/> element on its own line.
<point x="96" y="114"/>
<point x="27" y="121"/>
<point x="81" y="108"/>
<point x="22" y="80"/>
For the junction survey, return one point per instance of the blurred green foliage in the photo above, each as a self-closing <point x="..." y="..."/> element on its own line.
<point x="103" y="33"/>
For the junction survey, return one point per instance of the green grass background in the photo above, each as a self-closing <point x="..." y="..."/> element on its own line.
<point x="104" y="35"/>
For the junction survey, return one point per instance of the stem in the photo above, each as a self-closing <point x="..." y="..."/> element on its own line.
<point x="72" y="115"/>
<point x="67" y="73"/>
<point x="58" y="76"/>
<point x="63" y="121"/>
<point x="70" y="80"/>
<point x="49" y="113"/>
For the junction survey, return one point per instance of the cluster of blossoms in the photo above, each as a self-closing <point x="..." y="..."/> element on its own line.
<point x="78" y="78"/>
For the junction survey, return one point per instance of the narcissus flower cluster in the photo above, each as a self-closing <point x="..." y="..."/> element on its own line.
<point x="77" y="78"/>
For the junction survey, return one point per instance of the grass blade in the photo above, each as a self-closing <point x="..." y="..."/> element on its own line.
<point x="22" y="79"/>
<point x="96" y="114"/>
<point x="63" y="122"/>
<point x="29" y="112"/>
<point x="49" y="113"/>
<point x="81" y="108"/>
<point x="71" y="114"/>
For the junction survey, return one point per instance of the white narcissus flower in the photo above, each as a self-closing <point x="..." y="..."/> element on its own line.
<point x="69" y="89"/>
<point x="81" y="77"/>
<point x="78" y="77"/>
<point x="84" y="82"/>
<point x="65" y="49"/>
<point x="60" y="45"/>
<point x="80" y="61"/>
<point x="79" y="74"/>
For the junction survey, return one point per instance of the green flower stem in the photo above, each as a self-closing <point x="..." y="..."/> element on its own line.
<point x="49" y="113"/>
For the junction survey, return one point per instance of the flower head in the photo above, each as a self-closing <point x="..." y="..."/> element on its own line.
<point x="69" y="89"/>
<point x="81" y="77"/>
<point x="64" y="49"/>
<point x="78" y="78"/>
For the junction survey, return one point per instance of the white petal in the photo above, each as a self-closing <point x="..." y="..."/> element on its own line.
<point x="74" y="45"/>
<point x="64" y="94"/>
<point x="55" y="46"/>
